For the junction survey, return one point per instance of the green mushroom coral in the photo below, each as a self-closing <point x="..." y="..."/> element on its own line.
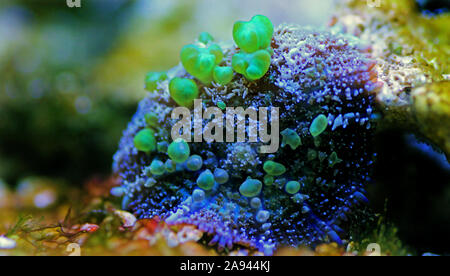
<point x="145" y="140"/>
<point x="200" y="62"/>
<point x="183" y="91"/>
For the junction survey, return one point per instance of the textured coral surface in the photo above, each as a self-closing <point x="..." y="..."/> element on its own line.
<point x="314" y="75"/>
<point x="412" y="51"/>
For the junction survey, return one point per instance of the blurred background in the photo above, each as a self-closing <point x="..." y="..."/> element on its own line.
<point x="70" y="78"/>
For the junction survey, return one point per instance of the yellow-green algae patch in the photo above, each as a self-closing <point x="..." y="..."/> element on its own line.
<point x="412" y="53"/>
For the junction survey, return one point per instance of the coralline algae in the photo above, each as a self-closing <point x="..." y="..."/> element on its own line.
<point x="304" y="193"/>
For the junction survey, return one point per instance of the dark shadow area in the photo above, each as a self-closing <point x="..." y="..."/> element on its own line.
<point x="433" y="6"/>
<point x="413" y="182"/>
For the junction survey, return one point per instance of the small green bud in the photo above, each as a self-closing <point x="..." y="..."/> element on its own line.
<point x="183" y="91"/>
<point x="311" y="154"/>
<point x="206" y="180"/>
<point x="333" y="159"/>
<point x="253" y="35"/>
<point x="253" y="66"/>
<point x="274" y="168"/>
<point x="200" y="62"/>
<point x="151" y="119"/>
<point x="221" y="105"/>
<point x="291" y="138"/>
<point x="152" y="79"/>
<point x="318" y="125"/>
<point x="150" y="182"/>
<point x="194" y="163"/>
<point x="292" y="187"/>
<point x="157" y="167"/>
<point x="255" y="203"/>
<point x="250" y="187"/>
<point x="179" y="151"/>
<point x="162" y="146"/>
<point x="223" y="74"/>
<point x="205" y="37"/>
<point x="145" y="140"/>
<point x="268" y="180"/>
<point x="170" y="165"/>
<point x="198" y="195"/>
<point x="221" y="176"/>
<point x="262" y="216"/>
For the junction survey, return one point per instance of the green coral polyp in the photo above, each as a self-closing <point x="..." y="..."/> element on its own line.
<point x="250" y="187"/>
<point x="151" y="119"/>
<point x="200" y="62"/>
<point x="333" y="159"/>
<point x="274" y="168"/>
<point x="206" y="180"/>
<point x="252" y="65"/>
<point x="291" y="138"/>
<point x="157" y="167"/>
<point x="292" y="187"/>
<point x="253" y="35"/>
<point x="253" y="38"/>
<point x="194" y="163"/>
<point x="162" y="146"/>
<point x="183" y="91"/>
<point x="318" y="125"/>
<point x="153" y="78"/>
<point x="170" y="166"/>
<point x="221" y="105"/>
<point x="179" y="151"/>
<point x="205" y="37"/>
<point x="268" y="180"/>
<point x="145" y="140"/>
<point x="223" y="74"/>
<point x="221" y="176"/>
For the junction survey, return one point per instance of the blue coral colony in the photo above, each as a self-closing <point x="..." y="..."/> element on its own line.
<point x="304" y="194"/>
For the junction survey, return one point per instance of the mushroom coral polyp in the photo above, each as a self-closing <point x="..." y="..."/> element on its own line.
<point x="305" y="193"/>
